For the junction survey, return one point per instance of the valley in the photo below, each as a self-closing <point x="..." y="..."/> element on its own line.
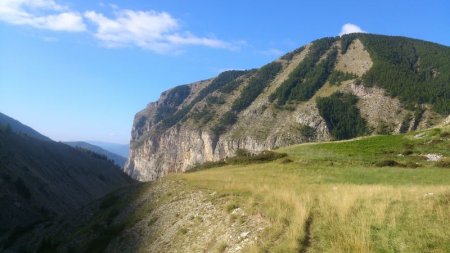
<point x="372" y="194"/>
<point x="341" y="145"/>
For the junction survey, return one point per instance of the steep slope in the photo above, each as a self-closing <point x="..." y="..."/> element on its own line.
<point x="332" y="88"/>
<point x="40" y="179"/>
<point x="18" y="127"/>
<point x="117" y="159"/>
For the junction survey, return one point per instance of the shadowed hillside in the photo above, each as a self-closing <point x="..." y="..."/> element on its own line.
<point x="41" y="179"/>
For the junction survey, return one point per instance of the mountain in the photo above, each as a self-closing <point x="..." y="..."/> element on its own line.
<point x="331" y="89"/>
<point x="119" y="149"/>
<point x="370" y="194"/>
<point x="16" y="126"/>
<point x="41" y="179"/>
<point x="117" y="159"/>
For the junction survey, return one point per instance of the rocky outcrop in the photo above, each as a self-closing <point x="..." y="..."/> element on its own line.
<point x="212" y="119"/>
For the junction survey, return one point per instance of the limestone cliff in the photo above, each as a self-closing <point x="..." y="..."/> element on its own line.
<point x="276" y="105"/>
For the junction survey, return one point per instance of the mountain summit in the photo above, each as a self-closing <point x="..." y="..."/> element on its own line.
<point x="331" y="89"/>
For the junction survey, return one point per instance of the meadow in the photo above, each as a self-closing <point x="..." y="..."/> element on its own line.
<point x="373" y="194"/>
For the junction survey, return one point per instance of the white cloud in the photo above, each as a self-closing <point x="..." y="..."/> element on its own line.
<point x="42" y="14"/>
<point x="152" y="30"/>
<point x="156" y="31"/>
<point x="351" y="28"/>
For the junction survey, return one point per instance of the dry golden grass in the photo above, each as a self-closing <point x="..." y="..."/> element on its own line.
<point x="350" y="206"/>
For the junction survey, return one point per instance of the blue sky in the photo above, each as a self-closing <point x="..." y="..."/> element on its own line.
<point x="80" y="70"/>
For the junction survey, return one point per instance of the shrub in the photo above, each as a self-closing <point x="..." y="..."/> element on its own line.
<point x="387" y="163"/>
<point x="242" y="157"/>
<point x="286" y="160"/>
<point x="231" y="207"/>
<point x="412" y="165"/>
<point x="443" y="164"/>
<point x="407" y="152"/>
<point x="308" y="132"/>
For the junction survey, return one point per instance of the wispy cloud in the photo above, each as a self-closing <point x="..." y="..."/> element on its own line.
<point x="350" y="28"/>
<point x="152" y="30"/>
<point x="156" y="31"/>
<point x="42" y="14"/>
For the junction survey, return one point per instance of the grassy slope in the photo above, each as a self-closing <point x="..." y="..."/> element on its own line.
<point x="333" y="198"/>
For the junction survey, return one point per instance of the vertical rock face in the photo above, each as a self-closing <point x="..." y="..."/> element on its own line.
<point x="270" y="107"/>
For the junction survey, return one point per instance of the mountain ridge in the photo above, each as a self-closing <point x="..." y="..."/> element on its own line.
<point x="382" y="84"/>
<point x="40" y="179"/>
<point x="117" y="159"/>
<point x="17" y="126"/>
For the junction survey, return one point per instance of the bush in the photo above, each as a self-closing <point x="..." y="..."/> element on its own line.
<point x="231" y="207"/>
<point x="286" y="160"/>
<point x="388" y="163"/>
<point x="242" y="157"/>
<point x="308" y="132"/>
<point x="407" y="152"/>
<point x="443" y="164"/>
<point x="412" y="165"/>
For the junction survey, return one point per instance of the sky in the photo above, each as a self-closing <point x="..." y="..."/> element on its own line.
<point x="80" y="70"/>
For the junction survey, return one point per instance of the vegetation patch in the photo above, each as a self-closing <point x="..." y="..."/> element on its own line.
<point x="308" y="132"/>
<point x="242" y="157"/>
<point x="443" y="163"/>
<point x="337" y="77"/>
<point x="308" y="76"/>
<point x="256" y="85"/>
<point x="388" y="163"/>
<point x="346" y="40"/>
<point x="342" y="116"/>
<point x="290" y="55"/>
<point x="174" y="116"/>
<point x="174" y="98"/>
<point x="417" y="72"/>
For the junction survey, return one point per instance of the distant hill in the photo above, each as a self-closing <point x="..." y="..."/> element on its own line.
<point x="120" y="149"/>
<point x="118" y="160"/>
<point x="40" y="179"/>
<point x="16" y="126"/>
